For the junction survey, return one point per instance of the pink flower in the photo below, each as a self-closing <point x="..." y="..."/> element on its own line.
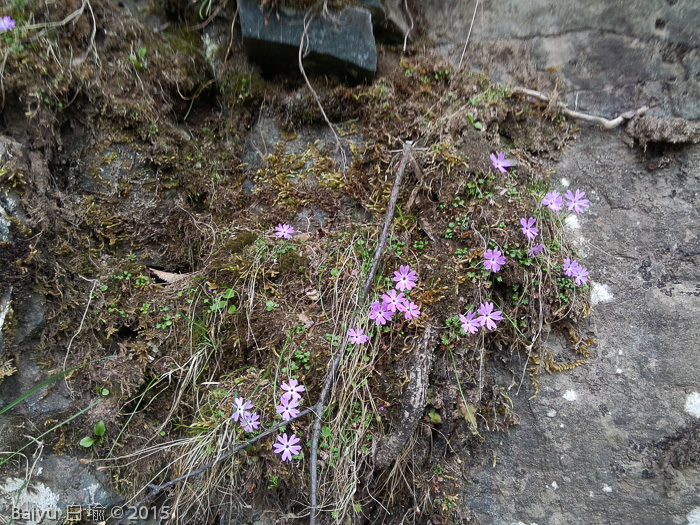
<point x="494" y="260"/>
<point x="580" y="278"/>
<point x="293" y="390"/>
<point x="553" y="201"/>
<point x="500" y="163"/>
<point x="6" y="23"/>
<point x="288" y="408"/>
<point x="395" y="301"/>
<point x="488" y="316"/>
<point x="380" y="313"/>
<point x="287" y="446"/>
<point x="528" y="228"/>
<point x="570" y="267"/>
<point x="576" y="202"/>
<point x="537" y="248"/>
<point x="405" y="278"/>
<point x="250" y="421"/>
<point x="284" y="231"/>
<point x="470" y="323"/>
<point x="411" y="311"/>
<point x="356" y="337"/>
<point x="241" y="406"/>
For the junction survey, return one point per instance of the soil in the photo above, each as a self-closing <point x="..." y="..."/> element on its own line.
<point x="154" y="163"/>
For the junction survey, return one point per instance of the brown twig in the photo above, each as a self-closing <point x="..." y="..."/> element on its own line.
<point x="318" y="407"/>
<point x="607" y="124"/>
<point x="303" y="44"/>
<point x="408" y="145"/>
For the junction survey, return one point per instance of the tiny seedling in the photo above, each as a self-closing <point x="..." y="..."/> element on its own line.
<point x="87" y="442"/>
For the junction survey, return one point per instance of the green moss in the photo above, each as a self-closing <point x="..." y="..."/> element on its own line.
<point x="292" y="262"/>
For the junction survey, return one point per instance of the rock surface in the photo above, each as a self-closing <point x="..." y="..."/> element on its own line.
<point x="610" y="57"/>
<point x="611" y="442"/>
<point x="341" y="44"/>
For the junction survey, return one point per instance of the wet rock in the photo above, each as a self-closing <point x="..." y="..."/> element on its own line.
<point x="342" y="44"/>
<point x="663" y="129"/>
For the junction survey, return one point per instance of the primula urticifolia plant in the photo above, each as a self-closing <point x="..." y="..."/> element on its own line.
<point x="287" y="409"/>
<point x="494" y="259"/>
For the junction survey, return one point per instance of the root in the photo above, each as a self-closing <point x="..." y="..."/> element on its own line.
<point x="413" y="401"/>
<point x="564" y="109"/>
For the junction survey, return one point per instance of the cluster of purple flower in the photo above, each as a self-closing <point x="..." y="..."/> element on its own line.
<point x="250" y="421"/>
<point x="393" y="301"/>
<point x="574" y="201"/>
<point x="494" y="259"/>
<point x="573" y="269"/>
<point x="471" y="323"/>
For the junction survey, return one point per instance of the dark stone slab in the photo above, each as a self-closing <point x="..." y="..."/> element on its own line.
<point x="342" y="45"/>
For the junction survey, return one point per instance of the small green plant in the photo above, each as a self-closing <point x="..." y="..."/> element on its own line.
<point x="274" y="482"/>
<point x="271" y="305"/>
<point x="419" y="246"/>
<point x="137" y="59"/>
<point x="99" y="432"/>
<point x="477" y="125"/>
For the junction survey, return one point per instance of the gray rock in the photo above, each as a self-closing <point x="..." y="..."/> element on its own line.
<point x="388" y="20"/>
<point x="342" y="45"/>
<point x="56" y="483"/>
<point x="605" y="58"/>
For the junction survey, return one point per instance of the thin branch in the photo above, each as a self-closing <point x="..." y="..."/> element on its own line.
<point x="468" y="34"/>
<point x="607" y="124"/>
<point x="157" y="489"/>
<point x="408" y="145"/>
<point x="303" y="44"/>
<point x="313" y="453"/>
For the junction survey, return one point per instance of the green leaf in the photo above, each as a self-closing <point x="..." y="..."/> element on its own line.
<point x="326" y="432"/>
<point x="229" y="294"/>
<point x="48" y="381"/>
<point x="100" y="429"/>
<point x="478" y="126"/>
<point x="434" y="417"/>
<point x="87" y="442"/>
<point x="232" y="309"/>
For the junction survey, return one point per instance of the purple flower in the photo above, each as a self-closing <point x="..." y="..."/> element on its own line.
<point x="405" y="278"/>
<point x="288" y="408"/>
<point x="287" y="446"/>
<point x="250" y="421"/>
<point x="537" y="248"/>
<point x="380" y="313"/>
<point x="528" y="227"/>
<point x="470" y="323"/>
<point x="494" y="260"/>
<point x="6" y="23"/>
<point x="293" y="390"/>
<point x="395" y="300"/>
<point x="356" y="337"/>
<point x="489" y="316"/>
<point x="571" y="267"/>
<point x="241" y="406"/>
<point x="411" y="311"/>
<point x="581" y="276"/>
<point x="576" y="202"/>
<point x="284" y="231"/>
<point x="500" y="163"/>
<point x="553" y="201"/>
